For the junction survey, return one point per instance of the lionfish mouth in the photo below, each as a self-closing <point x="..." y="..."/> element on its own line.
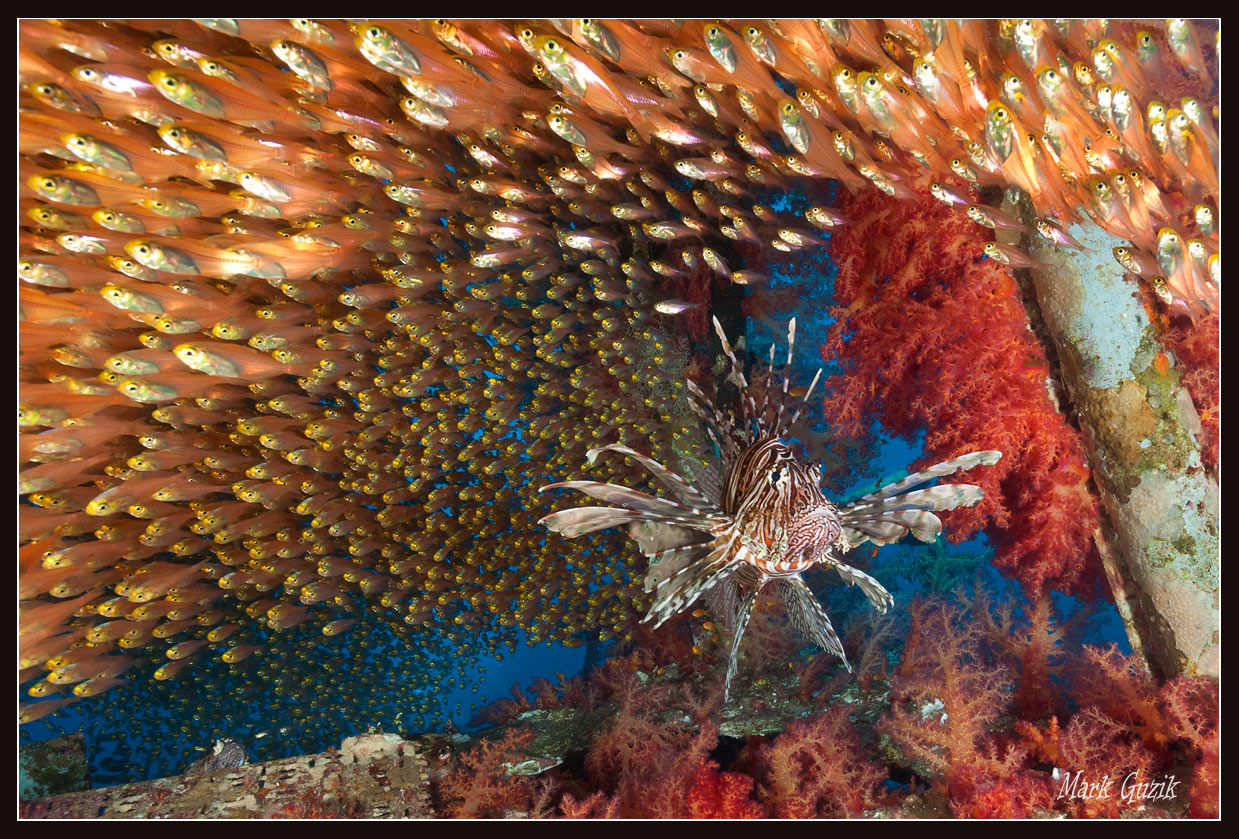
<point x="759" y="515"/>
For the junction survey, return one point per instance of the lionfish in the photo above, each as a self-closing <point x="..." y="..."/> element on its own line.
<point x="765" y="521"/>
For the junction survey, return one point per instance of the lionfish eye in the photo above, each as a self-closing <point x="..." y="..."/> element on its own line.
<point x="774" y="476"/>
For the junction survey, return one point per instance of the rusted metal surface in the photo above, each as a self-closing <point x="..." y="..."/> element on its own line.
<point x="369" y="776"/>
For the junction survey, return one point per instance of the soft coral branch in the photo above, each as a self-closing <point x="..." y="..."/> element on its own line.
<point x="946" y="697"/>
<point x="817" y="769"/>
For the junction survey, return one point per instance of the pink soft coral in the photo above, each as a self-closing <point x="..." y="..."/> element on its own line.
<point x="1128" y="717"/>
<point x="931" y="337"/>
<point x="1190" y="707"/>
<point x="945" y="706"/>
<point x="1035" y="643"/>
<point x="945" y="697"/>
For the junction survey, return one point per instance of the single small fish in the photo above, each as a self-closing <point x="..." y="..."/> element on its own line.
<point x="674" y="307"/>
<point x="1055" y="234"/>
<point x="947" y="195"/>
<point x="994" y="219"/>
<point x="1010" y="255"/>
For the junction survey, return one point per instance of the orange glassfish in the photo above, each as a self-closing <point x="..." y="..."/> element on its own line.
<point x="220" y="99"/>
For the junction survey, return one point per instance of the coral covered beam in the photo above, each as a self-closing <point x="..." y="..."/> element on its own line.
<point x="1149" y="455"/>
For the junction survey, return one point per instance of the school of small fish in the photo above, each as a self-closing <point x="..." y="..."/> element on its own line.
<point x="309" y="308"/>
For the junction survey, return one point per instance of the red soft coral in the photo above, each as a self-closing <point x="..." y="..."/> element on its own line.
<point x="1197" y="346"/>
<point x="931" y="337"/>
<point x="721" y="795"/>
<point x="652" y="768"/>
<point x="817" y="769"/>
<point x="1190" y="707"/>
<point x="480" y="787"/>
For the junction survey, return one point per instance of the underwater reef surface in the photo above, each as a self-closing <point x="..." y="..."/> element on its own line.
<point x="309" y="310"/>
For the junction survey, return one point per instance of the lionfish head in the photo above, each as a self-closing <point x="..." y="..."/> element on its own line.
<point x="784" y="521"/>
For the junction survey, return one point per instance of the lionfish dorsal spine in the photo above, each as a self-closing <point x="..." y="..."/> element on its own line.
<point x="805" y="399"/>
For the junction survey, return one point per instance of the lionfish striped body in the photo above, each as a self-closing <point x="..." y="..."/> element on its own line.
<point x="764" y="521"/>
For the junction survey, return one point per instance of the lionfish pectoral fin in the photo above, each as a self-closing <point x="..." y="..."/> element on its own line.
<point x="893" y="525"/>
<point x="656" y="538"/>
<point x="743" y="612"/>
<point x="581" y="520"/>
<point x="686" y="492"/>
<point x="667" y="563"/>
<point x="680" y="589"/>
<point x="875" y="591"/>
<point x="810" y="619"/>
<point x="939" y="470"/>
<point x="877" y="532"/>
<point x="630" y="498"/>
<point x="722" y="601"/>
<point x="934" y="499"/>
